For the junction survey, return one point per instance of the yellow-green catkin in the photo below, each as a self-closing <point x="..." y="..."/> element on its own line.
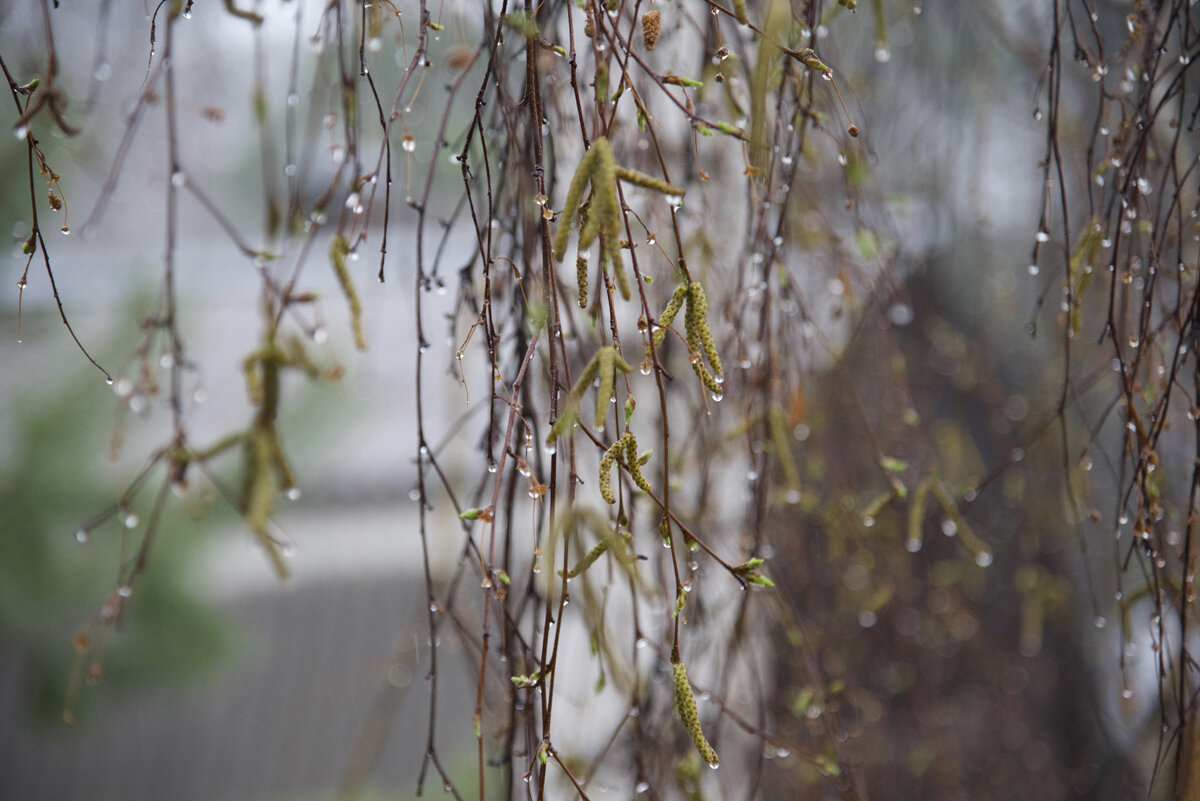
<point x="668" y="315"/>
<point x="685" y="705"/>
<point x="619" y="271"/>
<point x="337" y="253"/>
<point x="698" y="304"/>
<point x="581" y="275"/>
<point x="647" y="181"/>
<point x="739" y="12"/>
<point x="619" y="543"/>
<point x="569" y="411"/>
<point x="589" y="558"/>
<point x="607" y="385"/>
<point x="606" y="465"/>
<point x="572" y="208"/>
<point x="260" y="492"/>
<point x="633" y="463"/>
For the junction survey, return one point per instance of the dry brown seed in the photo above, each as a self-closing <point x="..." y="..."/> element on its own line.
<point x="651" y="26"/>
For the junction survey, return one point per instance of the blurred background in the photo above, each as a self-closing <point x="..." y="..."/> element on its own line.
<point x="992" y="672"/>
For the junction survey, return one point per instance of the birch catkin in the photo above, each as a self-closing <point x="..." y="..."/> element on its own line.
<point x="685" y="705"/>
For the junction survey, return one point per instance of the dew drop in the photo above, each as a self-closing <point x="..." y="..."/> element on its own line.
<point x="882" y="55"/>
<point x="1042" y="236"/>
<point x="178" y="178"/>
<point x="983" y="558"/>
<point x="408" y="143"/>
<point x="1100" y="622"/>
<point x="912" y="546"/>
<point x="131" y="520"/>
<point x="293" y="494"/>
<point x="21" y="132"/>
<point x="81" y="536"/>
<point x="1034" y="269"/>
<point x="125" y="591"/>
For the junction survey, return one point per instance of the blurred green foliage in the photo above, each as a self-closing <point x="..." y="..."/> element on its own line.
<point x="51" y="586"/>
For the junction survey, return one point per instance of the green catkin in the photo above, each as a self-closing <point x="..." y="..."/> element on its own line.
<point x="706" y="378"/>
<point x="589" y="223"/>
<point x="574" y="194"/>
<point x="668" y="315"/>
<point x="739" y="12"/>
<point x="260" y="492"/>
<point x="586" y="562"/>
<point x="567" y="415"/>
<point x="619" y="270"/>
<point x="337" y="253"/>
<point x="647" y="181"/>
<point x="581" y="274"/>
<point x="606" y="465"/>
<point x="698" y="302"/>
<point x="607" y="385"/>
<point x="619" y="543"/>
<point x="685" y="705"/>
<point x="664" y="529"/>
<point x="633" y="463"/>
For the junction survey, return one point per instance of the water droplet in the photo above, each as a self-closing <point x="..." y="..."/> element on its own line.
<point x="1144" y="186"/>
<point x="641" y="787"/>
<point x="289" y="170"/>
<point x="81" y="536"/>
<point x="714" y="765"/>
<point x="293" y="494"/>
<point x="65" y="231"/>
<point x="949" y="527"/>
<point x="717" y="397"/>
<point x="1034" y="269"/>
<point x="21" y="131"/>
<point x="124" y="590"/>
<point x="1100" y="622"/>
<point x="414" y="494"/>
<point x="167" y="361"/>
<point x="882" y="55"/>
<point x="131" y="520"/>
<point x="1042" y="236"/>
<point x="200" y="395"/>
<point x="641" y="642"/>
<point x="337" y="153"/>
<point x="983" y="558"/>
<point x="408" y="143"/>
<point x="912" y="546"/>
<point x="178" y="178"/>
<point x="1127" y="693"/>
